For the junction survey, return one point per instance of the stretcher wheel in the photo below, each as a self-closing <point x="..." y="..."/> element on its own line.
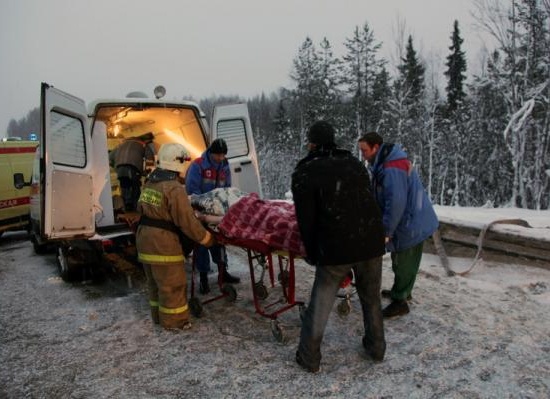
<point x="260" y="290"/>
<point x="195" y="306"/>
<point x="344" y="307"/>
<point x="284" y="277"/>
<point x="230" y="292"/>
<point x="278" y="331"/>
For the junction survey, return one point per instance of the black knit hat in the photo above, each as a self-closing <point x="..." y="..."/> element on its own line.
<point x="218" y="146"/>
<point x="147" y="137"/>
<point x="321" y="133"/>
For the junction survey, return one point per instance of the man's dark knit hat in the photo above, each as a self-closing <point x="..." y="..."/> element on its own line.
<point x="147" y="137"/>
<point x="218" y="146"/>
<point x="321" y="133"/>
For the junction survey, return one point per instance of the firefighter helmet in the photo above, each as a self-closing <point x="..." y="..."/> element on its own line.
<point x="172" y="156"/>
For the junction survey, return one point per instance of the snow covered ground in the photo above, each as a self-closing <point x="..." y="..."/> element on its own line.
<point x="484" y="335"/>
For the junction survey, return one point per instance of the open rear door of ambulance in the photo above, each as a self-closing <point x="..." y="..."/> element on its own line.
<point x="232" y="123"/>
<point x="66" y="186"/>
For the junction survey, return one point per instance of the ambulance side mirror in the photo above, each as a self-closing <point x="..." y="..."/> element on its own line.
<point x="19" y="181"/>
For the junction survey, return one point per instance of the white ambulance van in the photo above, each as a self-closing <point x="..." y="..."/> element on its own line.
<point x="74" y="204"/>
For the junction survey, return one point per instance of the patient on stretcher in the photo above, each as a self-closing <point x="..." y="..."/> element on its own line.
<point x="241" y="216"/>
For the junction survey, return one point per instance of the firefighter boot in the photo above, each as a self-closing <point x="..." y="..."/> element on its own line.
<point x="204" y="288"/>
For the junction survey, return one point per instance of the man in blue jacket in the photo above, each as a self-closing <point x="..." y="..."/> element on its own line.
<point x="408" y="216"/>
<point x="205" y="174"/>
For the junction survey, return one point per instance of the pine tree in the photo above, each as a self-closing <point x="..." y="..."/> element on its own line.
<point x="316" y="76"/>
<point x="381" y="94"/>
<point x="360" y="69"/>
<point x="329" y="90"/>
<point x="407" y="103"/>
<point x="455" y="73"/>
<point x="412" y="74"/>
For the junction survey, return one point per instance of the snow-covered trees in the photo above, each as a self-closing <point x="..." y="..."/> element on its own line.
<point x="486" y="142"/>
<point x="520" y="70"/>
<point x="363" y="79"/>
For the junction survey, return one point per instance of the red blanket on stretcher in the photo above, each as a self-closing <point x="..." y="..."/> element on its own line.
<point x="271" y="222"/>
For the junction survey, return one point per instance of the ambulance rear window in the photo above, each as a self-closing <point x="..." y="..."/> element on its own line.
<point x="67" y="140"/>
<point x="234" y="133"/>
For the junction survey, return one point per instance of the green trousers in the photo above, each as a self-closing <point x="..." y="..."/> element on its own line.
<point x="405" y="265"/>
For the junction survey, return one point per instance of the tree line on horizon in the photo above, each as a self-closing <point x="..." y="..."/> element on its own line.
<point x="485" y="142"/>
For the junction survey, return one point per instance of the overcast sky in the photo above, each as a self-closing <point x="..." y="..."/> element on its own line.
<point x="107" y="48"/>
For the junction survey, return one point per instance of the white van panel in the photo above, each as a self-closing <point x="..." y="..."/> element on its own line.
<point x="68" y="193"/>
<point x="232" y="123"/>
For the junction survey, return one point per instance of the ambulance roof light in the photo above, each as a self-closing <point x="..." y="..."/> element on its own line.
<point x="159" y="91"/>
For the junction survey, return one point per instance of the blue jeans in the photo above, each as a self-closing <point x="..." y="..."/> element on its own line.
<point x="368" y="275"/>
<point x="202" y="260"/>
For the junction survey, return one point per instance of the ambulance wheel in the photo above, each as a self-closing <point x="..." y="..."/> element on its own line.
<point x="344" y="308"/>
<point x="195" y="306"/>
<point x="278" y="331"/>
<point x="39" y="249"/>
<point x="67" y="269"/>
<point x="260" y="290"/>
<point x="230" y="292"/>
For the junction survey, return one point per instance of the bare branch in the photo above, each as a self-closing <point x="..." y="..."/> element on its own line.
<point x="399" y="31"/>
<point x="493" y="18"/>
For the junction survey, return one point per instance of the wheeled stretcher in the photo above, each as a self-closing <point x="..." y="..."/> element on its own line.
<point x="260" y="256"/>
<point x="268" y="232"/>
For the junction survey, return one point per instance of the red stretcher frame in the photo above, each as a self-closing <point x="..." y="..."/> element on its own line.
<point x="259" y="253"/>
<point x="255" y="251"/>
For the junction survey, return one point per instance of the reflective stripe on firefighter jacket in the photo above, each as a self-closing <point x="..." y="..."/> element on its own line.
<point x="167" y="200"/>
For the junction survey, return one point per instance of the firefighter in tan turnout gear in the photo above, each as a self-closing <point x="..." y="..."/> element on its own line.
<point x="166" y="213"/>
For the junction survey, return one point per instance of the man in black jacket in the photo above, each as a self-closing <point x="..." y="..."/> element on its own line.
<point x="341" y="227"/>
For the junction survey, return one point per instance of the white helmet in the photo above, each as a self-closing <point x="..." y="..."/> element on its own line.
<point x="172" y="156"/>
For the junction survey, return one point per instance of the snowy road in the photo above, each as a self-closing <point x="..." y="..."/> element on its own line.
<point x="485" y="335"/>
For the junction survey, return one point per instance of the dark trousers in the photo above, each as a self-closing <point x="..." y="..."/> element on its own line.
<point x="368" y="276"/>
<point x="202" y="259"/>
<point x="130" y="186"/>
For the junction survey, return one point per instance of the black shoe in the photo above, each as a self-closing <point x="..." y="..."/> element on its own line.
<point x="396" y="308"/>
<point x="387" y="294"/>
<point x="301" y="362"/>
<point x="204" y="288"/>
<point x="376" y="354"/>
<point x="229" y="279"/>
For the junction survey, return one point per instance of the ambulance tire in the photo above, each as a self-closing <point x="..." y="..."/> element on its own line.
<point x="68" y="270"/>
<point x="39" y="249"/>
